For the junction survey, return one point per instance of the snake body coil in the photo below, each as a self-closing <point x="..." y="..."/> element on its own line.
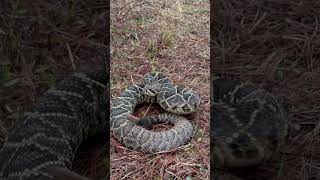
<point x="43" y="143"/>
<point x="155" y="88"/>
<point x="248" y="124"/>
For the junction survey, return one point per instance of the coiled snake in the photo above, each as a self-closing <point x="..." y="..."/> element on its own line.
<point x="42" y="145"/>
<point x="248" y="125"/>
<point x="175" y="99"/>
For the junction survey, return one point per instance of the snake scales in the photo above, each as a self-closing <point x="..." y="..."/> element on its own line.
<point x="248" y="125"/>
<point x="43" y="143"/>
<point x="176" y="100"/>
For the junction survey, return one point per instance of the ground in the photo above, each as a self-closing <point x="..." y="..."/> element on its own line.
<point x="172" y="36"/>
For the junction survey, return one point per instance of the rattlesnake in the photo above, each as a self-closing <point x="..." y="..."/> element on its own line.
<point x="43" y="143"/>
<point x="248" y="125"/>
<point x="156" y="87"/>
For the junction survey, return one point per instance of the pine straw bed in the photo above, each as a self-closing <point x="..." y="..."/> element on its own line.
<point x="179" y="31"/>
<point x="276" y="44"/>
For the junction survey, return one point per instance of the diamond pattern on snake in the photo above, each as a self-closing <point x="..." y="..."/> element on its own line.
<point x="248" y="125"/>
<point x="42" y="144"/>
<point x="155" y="88"/>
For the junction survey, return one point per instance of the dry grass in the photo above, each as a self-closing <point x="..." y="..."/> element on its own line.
<point x="40" y="42"/>
<point x="174" y="37"/>
<point x="276" y="45"/>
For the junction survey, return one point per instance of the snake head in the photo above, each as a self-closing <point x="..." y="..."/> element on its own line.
<point x="155" y="77"/>
<point x="153" y="83"/>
